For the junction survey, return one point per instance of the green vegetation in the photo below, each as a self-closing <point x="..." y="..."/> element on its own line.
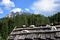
<point x="55" y="18"/>
<point x="7" y="24"/>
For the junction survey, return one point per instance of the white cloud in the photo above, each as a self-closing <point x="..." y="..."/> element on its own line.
<point x="1" y="11"/>
<point x="26" y="9"/>
<point x="7" y="3"/>
<point x="45" y="6"/>
<point x="16" y="10"/>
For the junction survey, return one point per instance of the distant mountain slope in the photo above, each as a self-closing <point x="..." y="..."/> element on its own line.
<point x="12" y="14"/>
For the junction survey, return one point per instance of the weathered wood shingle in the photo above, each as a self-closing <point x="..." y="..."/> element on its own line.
<point x="35" y="33"/>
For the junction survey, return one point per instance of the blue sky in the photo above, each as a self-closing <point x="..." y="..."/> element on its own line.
<point x="45" y="7"/>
